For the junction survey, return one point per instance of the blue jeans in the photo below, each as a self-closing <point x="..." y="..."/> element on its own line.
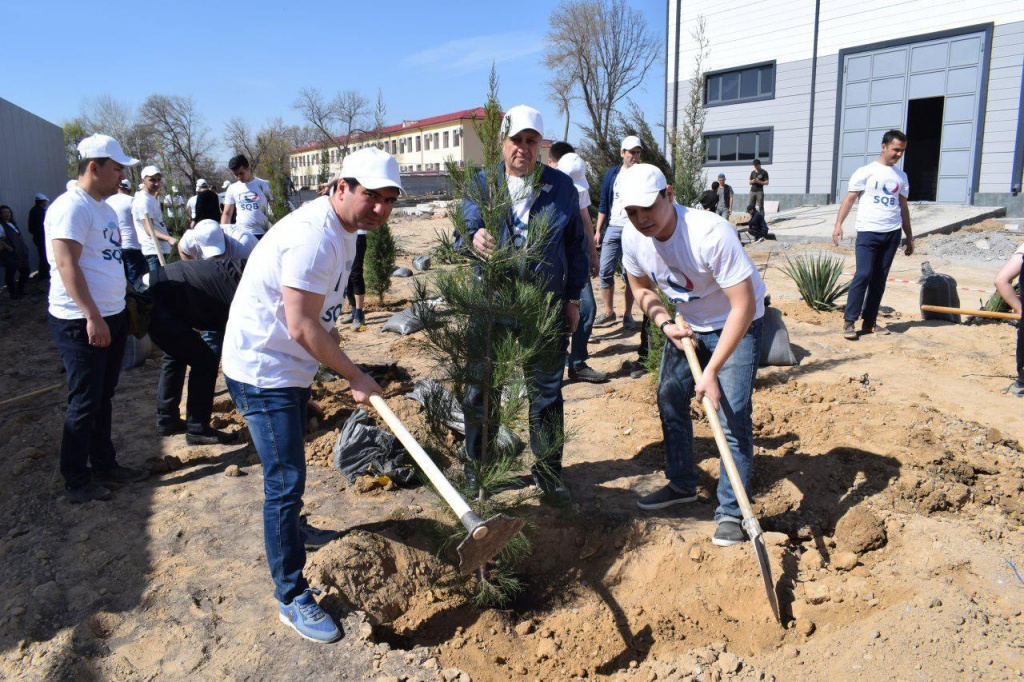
<point x="276" y="418"/>
<point x="611" y="255"/>
<point x="153" y="262"/>
<point x="135" y="264"/>
<point x="92" y="377"/>
<point x="875" y="251"/>
<point x="675" y="391"/>
<point x="578" y="352"/>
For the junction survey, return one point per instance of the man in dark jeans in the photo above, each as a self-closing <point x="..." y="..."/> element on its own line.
<point x="36" y="216"/>
<point x="87" y="317"/>
<point x="758" y="181"/>
<point x="190" y="295"/>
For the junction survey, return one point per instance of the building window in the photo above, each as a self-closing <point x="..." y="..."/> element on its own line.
<point x="739" y="147"/>
<point x="418" y="143"/>
<point x="455" y="138"/>
<point x="445" y="138"/>
<point x="437" y="140"/>
<point x="746" y="84"/>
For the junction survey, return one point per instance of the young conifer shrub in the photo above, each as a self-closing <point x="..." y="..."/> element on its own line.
<point x="379" y="261"/>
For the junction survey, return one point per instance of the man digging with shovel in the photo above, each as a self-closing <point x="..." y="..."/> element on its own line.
<point x="697" y="261"/>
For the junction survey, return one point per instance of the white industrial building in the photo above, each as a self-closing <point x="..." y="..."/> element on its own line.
<point x="810" y="86"/>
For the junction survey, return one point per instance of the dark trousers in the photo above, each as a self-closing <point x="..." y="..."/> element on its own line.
<point x="135" y="264"/>
<point x="44" y="266"/>
<point x="153" y="262"/>
<point x="356" y="281"/>
<point x="183" y="348"/>
<point x="875" y="251"/>
<point x="92" y="375"/>
<point x="11" y="266"/>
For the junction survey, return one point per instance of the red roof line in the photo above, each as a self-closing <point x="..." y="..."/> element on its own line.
<point x="478" y="112"/>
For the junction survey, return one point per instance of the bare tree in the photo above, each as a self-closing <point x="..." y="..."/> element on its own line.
<point x="183" y="139"/>
<point x="352" y="111"/>
<point x="319" y="114"/>
<point x="380" y="113"/>
<point x="560" y="90"/>
<point x="602" y="49"/>
<point x="104" y="114"/>
<point x="689" y="148"/>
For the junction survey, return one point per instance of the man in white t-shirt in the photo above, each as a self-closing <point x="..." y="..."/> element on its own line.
<point x="135" y="265"/>
<point x="149" y="219"/>
<point x="208" y="239"/>
<point x="1013" y="269"/>
<point x="695" y="258"/>
<point x="87" y="318"/>
<point x="882" y="213"/>
<point x="190" y="205"/>
<point x="280" y="329"/>
<point x="248" y="199"/>
<point x="611" y="218"/>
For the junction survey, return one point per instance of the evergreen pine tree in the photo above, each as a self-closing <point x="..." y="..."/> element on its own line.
<point x="379" y="261"/>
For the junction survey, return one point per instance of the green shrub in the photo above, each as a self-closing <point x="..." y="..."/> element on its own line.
<point x="379" y="261"/>
<point x="817" y="279"/>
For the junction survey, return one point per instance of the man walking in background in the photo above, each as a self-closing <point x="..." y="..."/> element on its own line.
<point x="881" y="215"/>
<point x="247" y="200"/>
<point x="36" y="216"/>
<point x="758" y="181"/>
<point x="724" y="197"/>
<point x="611" y="217"/>
<point x="135" y="265"/>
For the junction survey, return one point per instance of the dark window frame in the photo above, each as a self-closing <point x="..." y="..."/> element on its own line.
<point x="719" y="134"/>
<point x="739" y="70"/>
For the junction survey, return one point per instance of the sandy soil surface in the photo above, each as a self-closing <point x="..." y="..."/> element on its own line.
<point x="888" y="476"/>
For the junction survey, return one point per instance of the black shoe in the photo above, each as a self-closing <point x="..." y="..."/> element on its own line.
<point x="88" y="493"/>
<point x="728" y="533"/>
<point x="315" y="538"/>
<point x="552" y="487"/>
<point x="584" y="373"/>
<point x="119" y="474"/>
<point x="170" y="427"/>
<point x="211" y="436"/>
<point x="666" y="497"/>
<point x="849" y="332"/>
<point x="1016" y="389"/>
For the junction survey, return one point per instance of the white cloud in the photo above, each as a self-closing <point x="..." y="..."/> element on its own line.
<point x="471" y="54"/>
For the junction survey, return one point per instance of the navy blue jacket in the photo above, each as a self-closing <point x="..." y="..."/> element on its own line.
<point x="564" y="269"/>
<point x="608" y="192"/>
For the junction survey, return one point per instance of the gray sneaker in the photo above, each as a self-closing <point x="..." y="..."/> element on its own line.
<point x="875" y="329"/>
<point x="666" y="497"/>
<point x="729" y="533"/>
<point x="605" y="319"/>
<point x="849" y="332"/>
<point x="628" y="322"/>
<point x="1016" y="388"/>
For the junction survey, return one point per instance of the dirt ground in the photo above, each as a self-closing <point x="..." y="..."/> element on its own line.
<point x="888" y="476"/>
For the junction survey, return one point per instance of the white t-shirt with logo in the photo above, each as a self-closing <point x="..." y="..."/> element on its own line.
<point x="702" y="257"/>
<point x="77" y="216"/>
<point x="522" y="198"/>
<point x="313" y="253"/>
<point x="238" y="243"/>
<point x="618" y="217"/>
<point x="879" y="207"/>
<point x="251" y="201"/>
<point x="145" y="205"/>
<point x="122" y="205"/>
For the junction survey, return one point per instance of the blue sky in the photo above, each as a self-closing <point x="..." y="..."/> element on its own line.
<point x="250" y="59"/>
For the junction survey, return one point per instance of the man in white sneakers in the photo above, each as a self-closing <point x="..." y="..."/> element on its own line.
<point x="695" y="258"/>
<point x="149" y="219"/>
<point x="280" y="329"/>
<point x="883" y="190"/>
<point x="87" y="318"/>
<point x="209" y="239"/>
<point x="248" y="199"/>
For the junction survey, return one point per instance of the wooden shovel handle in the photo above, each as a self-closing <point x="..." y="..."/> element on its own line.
<point x="716" y="428"/>
<point x="968" y="311"/>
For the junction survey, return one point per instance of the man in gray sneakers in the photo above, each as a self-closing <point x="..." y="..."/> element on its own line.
<point x="611" y="217"/>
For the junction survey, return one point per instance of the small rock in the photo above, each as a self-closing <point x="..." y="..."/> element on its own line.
<point x="816" y="593"/>
<point x="547" y="634"/>
<point x="609" y="389"/>
<point x="450" y="674"/>
<point x="524" y="628"/>
<point x="696" y="553"/>
<point x="935" y="603"/>
<point x="546" y="649"/>
<point x="730" y="663"/>
<point x="18" y="611"/>
<point x="32" y="453"/>
<point x="844" y="560"/>
<point x="402" y="272"/>
<point x="860" y="531"/>
<point x="811" y="560"/>
<point x="805" y="626"/>
<point x="173" y="463"/>
<point x="790" y="651"/>
<point x="157" y="465"/>
<point x="772" y="539"/>
<point x="875" y="634"/>
<point x="232" y="471"/>
<point x="431" y="664"/>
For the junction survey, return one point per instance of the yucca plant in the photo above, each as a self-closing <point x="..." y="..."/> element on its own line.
<point x="444" y="250"/>
<point x="817" y="279"/>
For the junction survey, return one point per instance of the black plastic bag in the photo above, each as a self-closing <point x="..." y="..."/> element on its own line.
<point x="402" y="272"/>
<point x="363" y="449"/>
<point x="421" y="263"/>
<point x="775" y="348"/>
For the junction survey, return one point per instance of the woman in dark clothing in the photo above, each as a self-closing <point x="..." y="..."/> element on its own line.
<point x="207" y="206"/>
<point x="13" y="253"/>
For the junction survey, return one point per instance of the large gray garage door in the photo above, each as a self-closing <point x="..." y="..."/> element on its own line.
<point x="877" y="86"/>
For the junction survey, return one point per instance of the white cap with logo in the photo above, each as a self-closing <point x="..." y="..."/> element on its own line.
<point x="201" y="183"/>
<point x="572" y="165"/>
<point x="150" y="171"/>
<point x="373" y="168"/>
<point x="631" y="142"/>
<point x="210" y="237"/>
<point x="520" y="118"/>
<point x="104" y="147"/>
<point x="640" y="184"/>
<point x="227" y="183"/>
<point x="125" y="185"/>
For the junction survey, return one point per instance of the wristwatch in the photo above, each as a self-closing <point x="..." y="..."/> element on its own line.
<point x="662" y="325"/>
<point x="578" y="302"/>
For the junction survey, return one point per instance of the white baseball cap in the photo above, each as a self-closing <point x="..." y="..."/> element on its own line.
<point x="42" y="197"/>
<point x="520" y="118"/>
<point x="201" y="183"/>
<point x="640" y="184"/>
<point x="572" y="165"/>
<point x="210" y="237"/>
<point x="125" y="184"/>
<point x="631" y="142"/>
<point x="373" y="168"/>
<point x="150" y="171"/>
<point x="227" y="183"/>
<point x="104" y="147"/>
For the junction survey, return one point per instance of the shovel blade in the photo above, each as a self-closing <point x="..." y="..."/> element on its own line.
<point x="766" y="574"/>
<point x="475" y="552"/>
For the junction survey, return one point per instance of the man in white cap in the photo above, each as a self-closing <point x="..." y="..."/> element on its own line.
<point x="695" y="258"/>
<point x="247" y="200"/>
<point x="135" y="265"/>
<point x="190" y="205"/>
<point x="87" y="318"/>
<point x="36" y="217"/>
<point x="280" y="329"/>
<point x="149" y="219"/>
<point x="563" y="273"/>
<point x="611" y="217"/>
<point x="209" y="239"/>
<point x="563" y="157"/>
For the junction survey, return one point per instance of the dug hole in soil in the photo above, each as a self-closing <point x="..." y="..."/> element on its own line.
<point x="887" y="477"/>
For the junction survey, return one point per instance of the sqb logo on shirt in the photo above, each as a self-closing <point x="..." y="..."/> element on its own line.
<point x="250" y="201"/>
<point x="112" y="235"/>
<point x="334" y="313"/>
<point x="890" y="192"/>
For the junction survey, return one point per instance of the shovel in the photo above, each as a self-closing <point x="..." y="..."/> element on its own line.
<point x="750" y="524"/>
<point x="967" y="311"/>
<point x="486" y="538"/>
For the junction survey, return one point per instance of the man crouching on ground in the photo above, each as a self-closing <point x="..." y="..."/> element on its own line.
<point x="281" y="325"/>
<point x="696" y="259"/>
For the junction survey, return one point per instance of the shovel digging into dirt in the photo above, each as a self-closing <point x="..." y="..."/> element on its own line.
<point x="486" y="538"/>
<point x="750" y="524"/>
